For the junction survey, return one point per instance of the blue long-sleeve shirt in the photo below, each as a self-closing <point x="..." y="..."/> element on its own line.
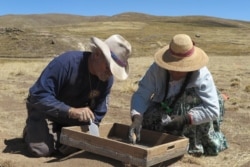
<point x="66" y="82"/>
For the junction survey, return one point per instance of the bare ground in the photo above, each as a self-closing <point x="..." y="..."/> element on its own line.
<point x="231" y="74"/>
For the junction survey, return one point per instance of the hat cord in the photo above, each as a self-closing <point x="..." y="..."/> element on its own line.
<point x="93" y="93"/>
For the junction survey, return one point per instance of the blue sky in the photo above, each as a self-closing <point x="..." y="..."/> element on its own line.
<point x="228" y="9"/>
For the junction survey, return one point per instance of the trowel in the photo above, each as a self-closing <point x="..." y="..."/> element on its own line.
<point x="93" y="128"/>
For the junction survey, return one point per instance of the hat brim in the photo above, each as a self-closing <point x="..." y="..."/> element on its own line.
<point x="119" y="72"/>
<point x="165" y="59"/>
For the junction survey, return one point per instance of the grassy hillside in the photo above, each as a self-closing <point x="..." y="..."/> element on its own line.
<point x="51" y="34"/>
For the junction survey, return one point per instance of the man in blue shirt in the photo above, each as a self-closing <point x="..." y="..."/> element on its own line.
<point x="72" y="90"/>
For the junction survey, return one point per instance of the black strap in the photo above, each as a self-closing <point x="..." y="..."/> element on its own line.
<point x="167" y="85"/>
<point x="183" y="87"/>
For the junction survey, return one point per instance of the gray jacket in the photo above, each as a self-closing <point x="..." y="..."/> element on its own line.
<point x="152" y="89"/>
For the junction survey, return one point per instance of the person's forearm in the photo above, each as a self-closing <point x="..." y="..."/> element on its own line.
<point x="52" y="107"/>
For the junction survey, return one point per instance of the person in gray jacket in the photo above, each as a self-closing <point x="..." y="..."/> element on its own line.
<point x="177" y="95"/>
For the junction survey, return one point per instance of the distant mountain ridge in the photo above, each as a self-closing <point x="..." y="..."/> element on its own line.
<point x="65" y="19"/>
<point x="47" y="35"/>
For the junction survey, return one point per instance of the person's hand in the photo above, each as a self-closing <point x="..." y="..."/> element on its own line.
<point x="82" y="114"/>
<point x="178" y="122"/>
<point x="135" y="129"/>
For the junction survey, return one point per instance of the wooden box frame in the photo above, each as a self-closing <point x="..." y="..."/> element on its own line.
<point x="113" y="142"/>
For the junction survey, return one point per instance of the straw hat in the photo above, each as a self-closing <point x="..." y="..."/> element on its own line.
<point x="117" y="50"/>
<point x="181" y="55"/>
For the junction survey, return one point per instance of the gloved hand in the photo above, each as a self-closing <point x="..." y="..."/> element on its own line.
<point x="178" y="122"/>
<point x="135" y="129"/>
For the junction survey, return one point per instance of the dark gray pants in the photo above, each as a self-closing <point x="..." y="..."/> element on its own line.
<point x="38" y="136"/>
<point x="42" y="131"/>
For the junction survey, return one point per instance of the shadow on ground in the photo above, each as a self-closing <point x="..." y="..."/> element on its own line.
<point x="15" y="146"/>
<point x="18" y="146"/>
<point x="113" y="162"/>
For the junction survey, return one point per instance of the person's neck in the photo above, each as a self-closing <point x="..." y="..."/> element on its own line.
<point x="176" y="79"/>
<point x="90" y="65"/>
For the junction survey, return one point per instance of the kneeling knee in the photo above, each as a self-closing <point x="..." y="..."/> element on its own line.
<point x="39" y="150"/>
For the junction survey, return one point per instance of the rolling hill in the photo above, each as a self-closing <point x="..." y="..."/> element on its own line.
<point x="47" y="35"/>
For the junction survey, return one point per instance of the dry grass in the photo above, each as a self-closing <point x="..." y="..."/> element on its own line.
<point x="226" y="42"/>
<point x="18" y="76"/>
<point x="49" y="35"/>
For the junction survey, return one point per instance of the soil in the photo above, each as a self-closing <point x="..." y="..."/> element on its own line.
<point x="231" y="75"/>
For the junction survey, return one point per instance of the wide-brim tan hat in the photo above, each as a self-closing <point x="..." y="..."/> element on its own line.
<point x="181" y="55"/>
<point x="117" y="50"/>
